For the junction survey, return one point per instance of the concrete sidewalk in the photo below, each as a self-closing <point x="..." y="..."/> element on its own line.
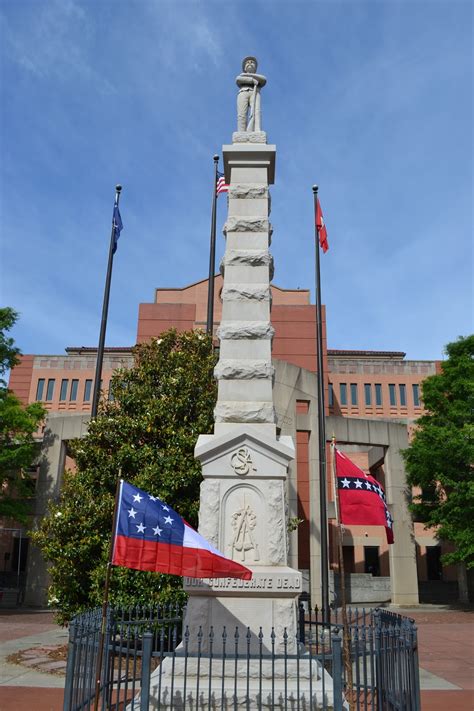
<point x="446" y="653"/>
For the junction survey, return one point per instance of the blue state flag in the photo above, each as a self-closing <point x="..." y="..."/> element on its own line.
<point x="117" y="226"/>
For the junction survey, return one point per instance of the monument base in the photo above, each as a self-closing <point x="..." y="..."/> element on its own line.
<point x="249" y="137"/>
<point x="260" y="613"/>
<point x="188" y="684"/>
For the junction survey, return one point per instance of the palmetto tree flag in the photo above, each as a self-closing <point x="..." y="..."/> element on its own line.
<point x="361" y="497"/>
<point x="117" y="226"/>
<point x="149" y="535"/>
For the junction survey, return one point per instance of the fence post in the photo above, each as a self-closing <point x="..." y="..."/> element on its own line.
<point x="71" y="659"/>
<point x="301" y="623"/>
<point x="416" y="666"/>
<point x="147" y="647"/>
<point x="336" y="673"/>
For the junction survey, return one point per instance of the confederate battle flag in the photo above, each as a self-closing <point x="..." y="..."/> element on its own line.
<point x="361" y="497"/>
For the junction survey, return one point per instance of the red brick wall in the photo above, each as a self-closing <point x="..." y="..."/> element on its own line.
<point x="153" y="319"/>
<point x="302" y="455"/>
<point x="295" y="335"/>
<point x="20" y="378"/>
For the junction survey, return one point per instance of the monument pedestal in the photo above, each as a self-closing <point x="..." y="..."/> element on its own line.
<point x="243" y="513"/>
<point x="208" y="683"/>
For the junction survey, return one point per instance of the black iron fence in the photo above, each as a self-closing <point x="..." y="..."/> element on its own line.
<point x="151" y="662"/>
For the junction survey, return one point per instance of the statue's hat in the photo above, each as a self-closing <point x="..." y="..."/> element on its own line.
<point x="245" y="59"/>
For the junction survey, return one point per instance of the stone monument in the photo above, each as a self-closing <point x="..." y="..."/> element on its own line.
<point x="243" y="508"/>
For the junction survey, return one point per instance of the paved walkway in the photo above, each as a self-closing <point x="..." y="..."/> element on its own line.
<point x="446" y="652"/>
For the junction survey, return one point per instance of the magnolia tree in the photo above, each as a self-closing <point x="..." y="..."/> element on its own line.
<point x="18" y="425"/>
<point x="146" y="435"/>
<point x="440" y="459"/>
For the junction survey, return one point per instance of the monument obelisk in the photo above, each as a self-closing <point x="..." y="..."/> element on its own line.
<point x="243" y="510"/>
<point x="244" y="463"/>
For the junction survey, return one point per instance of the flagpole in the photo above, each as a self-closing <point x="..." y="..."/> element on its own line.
<point x="212" y="257"/>
<point x="105" y="310"/>
<point x="346" y="639"/>
<point x="321" y="430"/>
<point x="105" y="601"/>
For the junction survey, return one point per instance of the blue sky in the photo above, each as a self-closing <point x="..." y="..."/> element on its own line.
<point x="371" y="100"/>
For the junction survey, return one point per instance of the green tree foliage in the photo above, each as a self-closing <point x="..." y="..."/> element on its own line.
<point x="18" y="424"/>
<point x="9" y="353"/>
<point x="440" y="459"/>
<point x="146" y="436"/>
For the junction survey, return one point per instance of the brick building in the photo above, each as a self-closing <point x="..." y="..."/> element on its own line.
<point x="372" y="399"/>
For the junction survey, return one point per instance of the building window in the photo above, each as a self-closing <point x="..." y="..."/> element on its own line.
<point x="392" y="395"/>
<point x="354" y="394"/>
<point x="50" y="389"/>
<point x="331" y="395"/>
<point x="73" y="395"/>
<point x="349" y="559"/>
<point x="371" y="560"/>
<point x="368" y="394"/>
<point x="63" y="392"/>
<point x="343" y="393"/>
<point x="87" y="390"/>
<point x="403" y="395"/>
<point x="39" y="389"/>
<point x="416" y="395"/>
<point x="378" y="394"/>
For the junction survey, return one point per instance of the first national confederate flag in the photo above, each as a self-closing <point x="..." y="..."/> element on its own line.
<point x="149" y="535"/>
<point x="361" y="497"/>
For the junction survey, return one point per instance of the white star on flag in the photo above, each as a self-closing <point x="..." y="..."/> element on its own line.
<point x="164" y="507"/>
<point x="358" y="484"/>
<point x="157" y="531"/>
<point x="152" y="498"/>
<point x="137" y="498"/>
<point x="345" y="483"/>
<point x="132" y="513"/>
<point x="141" y="528"/>
<point x="168" y="519"/>
<point x="369" y="486"/>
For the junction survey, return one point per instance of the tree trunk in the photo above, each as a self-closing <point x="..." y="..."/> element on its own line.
<point x="462" y="583"/>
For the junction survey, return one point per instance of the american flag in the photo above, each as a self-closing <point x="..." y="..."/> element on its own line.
<point x="221" y="186"/>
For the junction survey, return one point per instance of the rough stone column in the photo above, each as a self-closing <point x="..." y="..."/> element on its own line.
<point x="245" y="371"/>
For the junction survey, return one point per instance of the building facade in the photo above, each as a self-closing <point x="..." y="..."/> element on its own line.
<point x="372" y="400"/>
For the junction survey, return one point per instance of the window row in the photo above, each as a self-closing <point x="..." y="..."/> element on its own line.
<point x="68" y="390"/>
<point x="373" y="394"/>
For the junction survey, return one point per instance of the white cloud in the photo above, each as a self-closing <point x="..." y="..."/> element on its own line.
<point x="52" y="43"/>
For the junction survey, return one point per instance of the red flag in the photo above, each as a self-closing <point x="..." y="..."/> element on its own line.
<point x="150" y="535"/>
<point x="361" y="497"/>
<point x="321" y="227"/>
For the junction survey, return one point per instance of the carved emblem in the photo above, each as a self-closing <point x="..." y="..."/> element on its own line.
<point x="243" y="523"/>
<point x="241" y="462"/>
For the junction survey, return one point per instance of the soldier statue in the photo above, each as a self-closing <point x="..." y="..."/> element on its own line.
<point x="248" y="98"/>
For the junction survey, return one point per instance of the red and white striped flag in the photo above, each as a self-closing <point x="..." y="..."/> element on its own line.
<point x="221" y="186"/>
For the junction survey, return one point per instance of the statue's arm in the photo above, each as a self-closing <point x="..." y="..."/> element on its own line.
<point x="248" y="79"/>
<point x="260" y="78"/>
<point x="244" y="80"/>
